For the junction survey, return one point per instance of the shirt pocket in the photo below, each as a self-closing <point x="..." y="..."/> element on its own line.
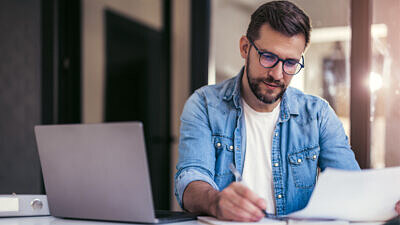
<point x="223" y="153"/>
<point x="304" y="166"/>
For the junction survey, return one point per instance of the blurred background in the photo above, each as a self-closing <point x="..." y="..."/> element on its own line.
<point x="94" y="61"/>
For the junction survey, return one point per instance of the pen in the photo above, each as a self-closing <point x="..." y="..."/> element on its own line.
<point x="238" y="178"/>
<point x="236" y="173"/>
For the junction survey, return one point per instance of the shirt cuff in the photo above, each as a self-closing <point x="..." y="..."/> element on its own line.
<point x="187" y="176"/>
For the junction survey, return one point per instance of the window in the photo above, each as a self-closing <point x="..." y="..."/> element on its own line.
<point x="385" y="84"/>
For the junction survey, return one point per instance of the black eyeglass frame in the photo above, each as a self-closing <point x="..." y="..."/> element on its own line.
<point x="260" y="53"/>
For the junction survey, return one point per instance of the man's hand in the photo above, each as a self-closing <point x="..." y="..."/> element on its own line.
<point x="398" y="207"/>
<point x="236" y="202"/>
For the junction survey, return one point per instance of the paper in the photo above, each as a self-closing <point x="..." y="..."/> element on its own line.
<point x="266" y="221"/>
<point x="214" y="221"/>
<point x="318" y="222"/>
<point x="367" y="195"/>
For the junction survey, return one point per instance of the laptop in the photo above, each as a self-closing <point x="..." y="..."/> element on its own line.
<point x="99" y="172"/>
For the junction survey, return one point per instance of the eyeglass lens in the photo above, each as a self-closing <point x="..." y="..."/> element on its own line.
<point x="289" y="66"/>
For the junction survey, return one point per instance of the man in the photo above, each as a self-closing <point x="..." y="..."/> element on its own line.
<point x="275" y="135"/>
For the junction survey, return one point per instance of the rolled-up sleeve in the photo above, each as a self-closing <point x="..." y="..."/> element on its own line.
<point x="187" y="176"/>
<point x="196" y="151"/>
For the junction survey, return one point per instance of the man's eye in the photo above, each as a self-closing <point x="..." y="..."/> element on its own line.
<point x="268" y="57"/>
<point x="290" y="63"/>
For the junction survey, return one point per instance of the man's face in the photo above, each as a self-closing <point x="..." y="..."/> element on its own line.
<point x="269" y="84"/>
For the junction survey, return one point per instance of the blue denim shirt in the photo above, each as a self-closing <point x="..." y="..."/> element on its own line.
<point x="308" y="135"/>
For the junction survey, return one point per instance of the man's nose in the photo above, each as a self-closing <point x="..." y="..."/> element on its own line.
<point x="277" y="71"/>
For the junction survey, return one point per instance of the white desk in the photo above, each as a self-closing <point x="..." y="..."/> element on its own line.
<point x="49" y="220"/>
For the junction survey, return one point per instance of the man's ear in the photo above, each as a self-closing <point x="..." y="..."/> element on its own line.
<point x="244" y="47"/>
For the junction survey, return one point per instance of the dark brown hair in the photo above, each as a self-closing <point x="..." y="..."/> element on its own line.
<point x="283" y="16"/>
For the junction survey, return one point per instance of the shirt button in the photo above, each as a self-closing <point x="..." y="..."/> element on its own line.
<point x="276" y="134"/>
<point x="279" y="196"/>
<point x="314" y="156"/>
<point x="276" y="164"/>
<point x="218" y="144"/>
<point x="231" y="147"/>
<point x="299" y="160"/>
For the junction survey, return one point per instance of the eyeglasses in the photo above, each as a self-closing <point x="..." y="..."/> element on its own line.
<point x="270" y="60"/>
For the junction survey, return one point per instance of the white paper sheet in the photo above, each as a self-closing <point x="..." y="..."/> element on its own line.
<point x="214" y="221"/>
<point x="367" y="195"/>
<point x="267" y="221"/>
<point x="318" y="222"/>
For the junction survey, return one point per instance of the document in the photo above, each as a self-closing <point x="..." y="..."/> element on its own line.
<point x="366" y="195"/>
<point x="214" y="221"/>
<point x="266" y="221"/>
<point x="320" y="222"/>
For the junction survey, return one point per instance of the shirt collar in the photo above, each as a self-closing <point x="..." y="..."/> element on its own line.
<point x="289" y="105"/>
<point x="233" y="89"/>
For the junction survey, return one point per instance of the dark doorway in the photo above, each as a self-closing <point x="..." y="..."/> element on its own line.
<point x="137" y="89"/>
<point x="200" y="42"/>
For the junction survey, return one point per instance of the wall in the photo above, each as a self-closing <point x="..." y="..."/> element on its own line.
<point x="20" y="96"/>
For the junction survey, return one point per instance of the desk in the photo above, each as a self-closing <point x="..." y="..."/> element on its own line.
<point x="50" y="220"/>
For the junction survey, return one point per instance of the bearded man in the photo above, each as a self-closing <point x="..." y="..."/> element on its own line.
<point x="275" y="135"/>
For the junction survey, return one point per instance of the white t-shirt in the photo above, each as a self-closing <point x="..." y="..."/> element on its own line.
<point x="257" y="171"/>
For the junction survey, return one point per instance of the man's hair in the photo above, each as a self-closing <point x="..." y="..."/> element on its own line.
<point x="283" y="16"/>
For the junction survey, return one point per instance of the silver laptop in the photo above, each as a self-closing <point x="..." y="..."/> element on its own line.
<point x="98" y="171"/>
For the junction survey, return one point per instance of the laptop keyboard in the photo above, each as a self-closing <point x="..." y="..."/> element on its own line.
<point x="165" y="215"/>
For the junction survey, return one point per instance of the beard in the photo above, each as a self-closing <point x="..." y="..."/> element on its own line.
<point x="256" y="84"/>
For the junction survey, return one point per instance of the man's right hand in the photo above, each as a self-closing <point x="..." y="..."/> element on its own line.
<point x="236" y="202"/>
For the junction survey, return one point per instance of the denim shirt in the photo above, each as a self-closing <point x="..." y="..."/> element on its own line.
<point x="308" y="135"/>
